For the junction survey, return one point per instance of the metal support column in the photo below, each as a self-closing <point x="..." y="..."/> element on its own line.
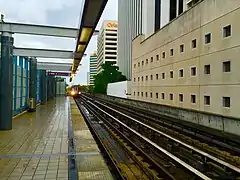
<point x="6" y="81"/>
<point x="50" y="87"/>
<point x="27" y="64"/>
<point x="33" y="84"/>
<point x="54" y="87"/>
<point x="21" y="82"/>
<point x="43" y="87"/>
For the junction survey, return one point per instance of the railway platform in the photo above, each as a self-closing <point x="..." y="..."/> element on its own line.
<point x="37" y="147"/>
<point x="90" y="162"/>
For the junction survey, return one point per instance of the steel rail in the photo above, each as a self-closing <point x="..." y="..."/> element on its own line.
<point x="208" y="156"/>
<point x="168" y="154"/>
<point x="227" y="143"/>
<point x="149" y="172"/>
<point x="103" y="148"/>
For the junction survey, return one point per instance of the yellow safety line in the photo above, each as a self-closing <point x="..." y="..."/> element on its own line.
<point x="14" y="117"/>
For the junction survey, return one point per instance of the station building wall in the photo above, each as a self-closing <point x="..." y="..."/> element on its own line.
<point x="192" y="62"/>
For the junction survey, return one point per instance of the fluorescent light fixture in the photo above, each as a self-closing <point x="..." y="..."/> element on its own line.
<point x="85" y="34"/>
<point x="81" y="48"/>
<point x="189" y="1"/>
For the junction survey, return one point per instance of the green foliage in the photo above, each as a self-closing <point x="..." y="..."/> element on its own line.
<point x="90" y="89"/>
<point x="109" y="74"/>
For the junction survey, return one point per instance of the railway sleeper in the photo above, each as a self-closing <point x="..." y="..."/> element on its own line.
<point x="221" y="172"/>
<point x="204" y="146"/>
<point x="134" y="153"/>
<point x="171" y="167"/>
<point x="141" y="161"/>
<point x="172" y="124"/>
<point x="148" y="167"/>
<point x="194" y="163"/>
<point x="148" y="132"/>
<point x="190" y="153"/>
<point x="193" y="159"/>
<point x="117" y="137"/>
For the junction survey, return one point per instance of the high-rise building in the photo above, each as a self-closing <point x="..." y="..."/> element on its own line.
<point x="192" y="61"/>
<point x="137" y="17"/>
<point x="88" y="78"/>
<point x="107" y="43"/>
<point x="92" y="68"/>
<point x="129" y="19"/>
<point x="158" y="13"/>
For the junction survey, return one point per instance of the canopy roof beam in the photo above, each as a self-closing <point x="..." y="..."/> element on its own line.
<point x="42" y="30"/>
<point x="43" y="53"/>
<point x="66" y="67"/>
<point x="88" y="23"/>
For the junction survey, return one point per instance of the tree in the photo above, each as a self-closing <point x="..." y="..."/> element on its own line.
<point x="109" y="74"/>
<point x="90" y="89"/>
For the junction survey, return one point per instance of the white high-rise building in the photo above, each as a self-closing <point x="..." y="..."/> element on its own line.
<point x="88" y="78"/>
<point x="158" y="13"/>
<point x="107" y="43"/>
<point x="129" y="19"/>
<point x="92" y="67"/>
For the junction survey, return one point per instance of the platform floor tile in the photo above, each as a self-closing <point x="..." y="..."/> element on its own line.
<point x="37" y="146"/>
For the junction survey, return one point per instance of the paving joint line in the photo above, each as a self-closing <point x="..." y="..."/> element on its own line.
<point x="48" y="155"/>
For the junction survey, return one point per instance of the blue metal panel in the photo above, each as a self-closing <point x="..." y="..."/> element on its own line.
<point x="15" y="84"/>
<point x="21" y="82"/>
<point x="43" y="84"/>
<point x="47" y="87"/>
<point x="20" y="85"/>
<point x="38" y="86"/>
<point x="18" y="105"/>
<point x="18" y="89"/>
<point x="24" y="99"/>
<point x="27" y="80"/>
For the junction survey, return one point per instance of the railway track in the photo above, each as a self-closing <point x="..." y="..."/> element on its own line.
<point x="196" y="160"/>
<point x="225" y="148"/>
<point x="166" y="164"/>
<point x="125" y="163"/>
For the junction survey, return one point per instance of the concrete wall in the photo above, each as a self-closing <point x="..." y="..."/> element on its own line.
<point x="224" y="124"/>
<point x="209" y="16"/>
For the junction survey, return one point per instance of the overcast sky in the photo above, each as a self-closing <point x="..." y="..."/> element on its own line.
<point x="53" y="12"/>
